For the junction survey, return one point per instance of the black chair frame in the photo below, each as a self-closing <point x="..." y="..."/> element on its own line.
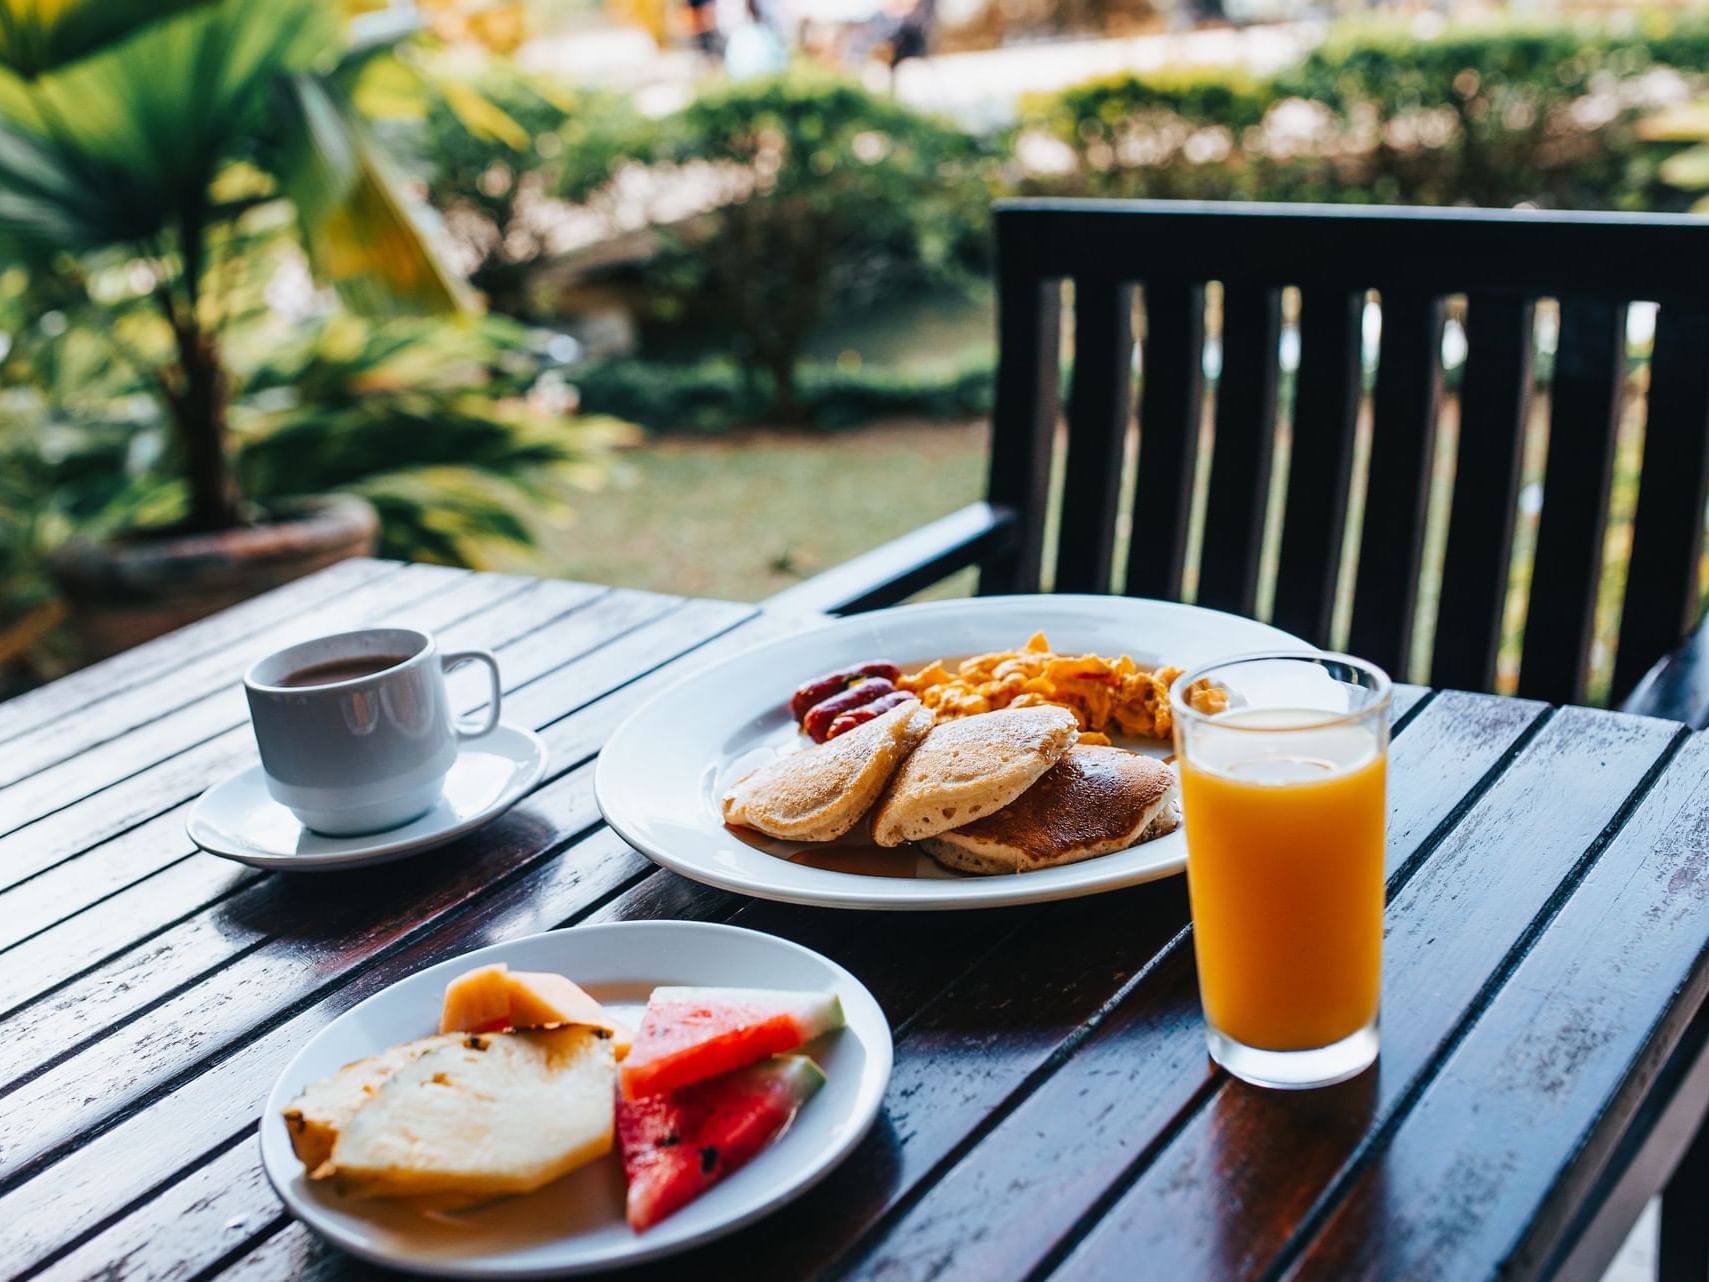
<point x="1593" y="264"/>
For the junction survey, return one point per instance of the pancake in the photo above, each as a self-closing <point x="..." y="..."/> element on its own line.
<point x="970" y="767"/>
<point x="1093" y="802"/>
<point x="820" y="793"/>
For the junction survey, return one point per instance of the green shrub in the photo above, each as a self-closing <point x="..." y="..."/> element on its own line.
<point x="497" y="143"/>
<point x="1491" y="115"/>
<point x="1173" y="134"/>
<point x="842" y="198"/>
<point x="718" y="395"/>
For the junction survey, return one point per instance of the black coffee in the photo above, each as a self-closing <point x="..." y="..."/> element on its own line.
<point x="324" y="674"/>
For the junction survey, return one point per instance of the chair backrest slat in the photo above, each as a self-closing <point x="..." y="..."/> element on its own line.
<point x="1023" y="420"/>
<point x="1584" y="414"/>
<point x="1171" y="410"/>
<point x="1244" y="449"/>
<point x="1403" y="446"/>
<point x="1218" y="507"/>
<point x="1320" y="466"/>
<point x="1100" y="405"/>
<point x="1667" y="532"/>
<point x="1495" y="402"/>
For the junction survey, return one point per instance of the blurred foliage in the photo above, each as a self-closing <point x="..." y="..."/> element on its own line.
<point x="459" y="439"/>
<point x="1165" y="134"/>
<point x="147" y="130"/>
<point x="828" y="196"/>
<point x="464" y="437"/>
<point x="1494" y="115"/>
<point x="122" y="139"/>
<point x="1688" y="168"/>
<point x="830" y="199"/>
<point x="39" y="35"/>
<point x="717" y="395"/>
<point x="841" y="197"/>
<point x="458" y="436"/>
<point x="169" y="176"/>
<point x="497" y="145"/>
<point x="499" y="26"/>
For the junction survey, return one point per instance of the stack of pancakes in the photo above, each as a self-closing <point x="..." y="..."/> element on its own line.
<point x="1001" y="792"/>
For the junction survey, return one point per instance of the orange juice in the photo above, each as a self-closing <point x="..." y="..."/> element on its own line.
<point x="1285" y="873"/>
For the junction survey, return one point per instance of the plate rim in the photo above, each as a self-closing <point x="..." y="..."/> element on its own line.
<point x="868" y="1105"/>
<point x="518" y="788"/>
<point x="976" y="893"/>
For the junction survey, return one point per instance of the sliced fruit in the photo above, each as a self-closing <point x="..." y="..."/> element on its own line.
<point x="541" y="999"/>
<point x="477" y="1001"/>
<point x="691" y="1034"/>
<point x="492" y="998"/>
<point x="324" y="1108"/>
<point x="678" y="1145"/>
<point x="490" y="1115"/>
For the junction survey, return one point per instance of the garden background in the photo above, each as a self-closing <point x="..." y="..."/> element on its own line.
<point x="734" y="333"/>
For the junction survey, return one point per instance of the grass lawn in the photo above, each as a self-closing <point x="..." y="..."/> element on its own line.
<point x="746" y="515"/>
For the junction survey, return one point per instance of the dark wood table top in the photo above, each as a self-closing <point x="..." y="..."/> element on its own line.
<point x="1052" y="1113"/>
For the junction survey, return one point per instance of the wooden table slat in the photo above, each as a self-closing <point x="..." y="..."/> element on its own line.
<point x="1052" y="1111"/>
<point x="206" y="1108"/>
<point x="249" y="984"/>
<point x="198" y="945"/>
<point x="935" y="949"/>
<point x="1406" y="699"/>
<point x="207" y="684"/>
<point x="76" y="941"/>
<point x="1136" y="1075"/>
<point x="158" y="659"/>
<point x="1546" y="1069"/>
<point x="921" y="1095"/>
<point x="1448" y="930"/>
<point x="65" y="811"/>
<point x="150" y="741"/>
<point x="205" y="1210"/>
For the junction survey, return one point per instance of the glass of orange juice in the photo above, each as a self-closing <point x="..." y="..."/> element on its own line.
<point x="1284" y="793"/>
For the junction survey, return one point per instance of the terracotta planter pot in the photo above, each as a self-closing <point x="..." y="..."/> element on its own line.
<point x="125" y="591"/>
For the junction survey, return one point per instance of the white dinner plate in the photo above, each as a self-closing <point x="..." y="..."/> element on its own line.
<point x="576" y="1224"/>
<point x="238" y="819"/>
<point x="662" y="774"/>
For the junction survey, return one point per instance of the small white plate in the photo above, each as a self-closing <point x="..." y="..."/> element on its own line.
<point x="576" y="1225"/>
<point x="238" y="820"/>
<point x="662" y="773"/>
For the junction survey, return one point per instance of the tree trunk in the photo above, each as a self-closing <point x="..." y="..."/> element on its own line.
<point x="199" y="400"/>
<point x="786" y="404"/>
<point x="199" y="411"/>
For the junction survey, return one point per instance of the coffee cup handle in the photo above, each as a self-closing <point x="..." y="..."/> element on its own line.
<point x="450" y="661"/>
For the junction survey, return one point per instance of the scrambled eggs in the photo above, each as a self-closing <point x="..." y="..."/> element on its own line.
<point x="1101" y="693"/>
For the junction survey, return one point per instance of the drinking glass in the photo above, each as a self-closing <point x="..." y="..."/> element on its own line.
<point x="1284" y="796"/>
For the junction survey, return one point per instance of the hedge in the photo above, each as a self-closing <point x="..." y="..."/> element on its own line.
<point x="1490" y="115"/>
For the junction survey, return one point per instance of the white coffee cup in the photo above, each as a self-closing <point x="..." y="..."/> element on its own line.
<point x="363" y="752"/>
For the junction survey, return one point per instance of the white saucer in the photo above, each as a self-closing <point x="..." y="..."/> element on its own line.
<point x="236" y="818"/>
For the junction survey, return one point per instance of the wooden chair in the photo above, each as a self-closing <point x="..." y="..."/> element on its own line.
<point x="1594" y="264"/>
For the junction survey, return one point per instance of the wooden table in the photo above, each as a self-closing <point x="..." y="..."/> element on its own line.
<point x="1052" y="1113"/>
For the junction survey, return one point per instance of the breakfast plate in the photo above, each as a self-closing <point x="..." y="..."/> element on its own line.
<point x="576" y="1224"/>
<point x="663" y="773"/>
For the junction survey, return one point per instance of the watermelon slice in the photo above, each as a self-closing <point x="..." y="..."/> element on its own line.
<point x="678" y="1145"/>
<point x="691" y="1034"/>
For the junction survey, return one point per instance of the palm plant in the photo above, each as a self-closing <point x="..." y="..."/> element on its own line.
<point x="144" y="129"/>
<point x="456" y="435"/>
